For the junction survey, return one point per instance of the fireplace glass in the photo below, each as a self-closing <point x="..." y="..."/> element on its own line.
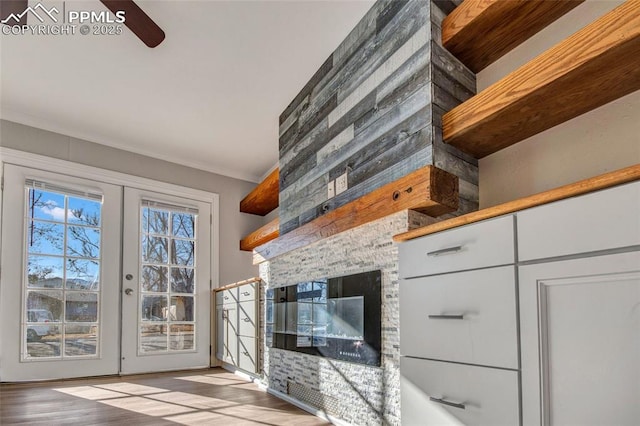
<point x="337" y="318"/>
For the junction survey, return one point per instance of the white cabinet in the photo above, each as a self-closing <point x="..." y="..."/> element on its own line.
<point x="458" y="327"/>
<point x="237" y="326"/>
<point x="226" y="326"/>
<point x="465" y="317"/>
<point x="563" y="318"/>
<point x="488" y="243"/>
<point x="437" y="393"/>
<point x="580" y="334"/>
<point x="594" y="222"/>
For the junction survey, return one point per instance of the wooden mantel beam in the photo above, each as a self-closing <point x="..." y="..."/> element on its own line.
<point x="596" y="65"/>
<point x="479" y="32"/>
<point x="260" y="236"/>
<point x="265" y="197"/>
<point x="429" y="190"/>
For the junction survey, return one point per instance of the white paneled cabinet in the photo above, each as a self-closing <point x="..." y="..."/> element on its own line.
<point x="237" y="326"/>
<point x="580" y="333"/>
<point x="554" y="336"/>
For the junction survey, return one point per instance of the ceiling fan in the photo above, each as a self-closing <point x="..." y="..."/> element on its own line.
<point x="135" y="18"/>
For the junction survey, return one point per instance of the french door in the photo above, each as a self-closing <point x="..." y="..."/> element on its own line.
<point x="166" y="270"/>
<point x="100" y="279"/>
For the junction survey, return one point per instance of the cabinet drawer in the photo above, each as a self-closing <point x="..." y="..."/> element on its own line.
<point x="225" y="297"/>
<point x="247" y="318"/>
<point x="247" y="351"/>
<point x="479" y="395"/>
<point x="488" y="243"/>
<point x="598" y="221"/>
<point x="247" y="292"/>
<point x="465" y="317"/>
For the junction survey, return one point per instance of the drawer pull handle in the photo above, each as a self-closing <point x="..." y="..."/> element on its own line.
<point x="246" y="319"/>
<point x="245" y="353"/>
<point x="445" y="251"/>
<point x="449" y="403"/>
<point x="456" y="317"/>
<point x="245" y="293"/>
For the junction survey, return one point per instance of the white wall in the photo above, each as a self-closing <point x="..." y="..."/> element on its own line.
<point x="605" y="139"/>
<point x="235" y="265"/>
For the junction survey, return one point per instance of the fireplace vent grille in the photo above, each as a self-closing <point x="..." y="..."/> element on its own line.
<point x="313" y="398"/>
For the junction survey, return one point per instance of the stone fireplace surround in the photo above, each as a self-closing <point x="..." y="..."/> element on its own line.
<point x="354" y="393"/>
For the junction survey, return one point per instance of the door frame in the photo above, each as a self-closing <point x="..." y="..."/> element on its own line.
<point x="64" y="167"/>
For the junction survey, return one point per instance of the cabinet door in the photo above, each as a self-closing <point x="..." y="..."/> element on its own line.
<point x="247" y="319"/>
<point x="601" y="220"/>
<point x="467" y="317"/>
<point x="580" y="336"/>
<point x="227" y="333"/>
<point x="247" y="354"/>
<point x="479" y="245"/>
<point x="220" y="331"/>
<point x="446" y="393"/>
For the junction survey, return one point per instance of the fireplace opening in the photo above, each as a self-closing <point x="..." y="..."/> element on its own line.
<point x="336" y="318"/>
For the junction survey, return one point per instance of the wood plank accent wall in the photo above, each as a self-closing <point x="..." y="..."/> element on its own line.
<point x="260" y="236"/>
<point x="374" y="110"/>
<point x="263" y="199"/>
<point x="594" y="66"/>
<point x="429" y="190"/>
<point x="479" y="32"/>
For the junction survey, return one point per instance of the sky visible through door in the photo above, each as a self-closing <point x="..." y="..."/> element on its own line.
<point x="62" y="292"/>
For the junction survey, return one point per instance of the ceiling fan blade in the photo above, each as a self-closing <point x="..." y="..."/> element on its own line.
<point x="15" y="7"/>
<point x="137" y="21"/>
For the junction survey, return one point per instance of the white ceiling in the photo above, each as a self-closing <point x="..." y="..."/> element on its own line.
<point x="209" y="96"/>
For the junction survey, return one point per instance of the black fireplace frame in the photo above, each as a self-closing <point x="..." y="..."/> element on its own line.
<point x="366" y="351"/>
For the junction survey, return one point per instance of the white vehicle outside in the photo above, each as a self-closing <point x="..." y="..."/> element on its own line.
<point x="35" y="332"/>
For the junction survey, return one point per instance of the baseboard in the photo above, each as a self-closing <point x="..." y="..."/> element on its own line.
<point x="309" y="409"/>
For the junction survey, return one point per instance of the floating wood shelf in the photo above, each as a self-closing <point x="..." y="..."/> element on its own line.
<point x="594" y="66"/>
<point x="607" y="180"/>
<point x="479" y="32"/>
<point x="429" y="190"/>
<point x="262" y="235"/>
<point x="264" y="197"/>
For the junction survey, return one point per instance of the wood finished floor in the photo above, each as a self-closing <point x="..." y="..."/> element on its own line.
<point x="202" y="397"/>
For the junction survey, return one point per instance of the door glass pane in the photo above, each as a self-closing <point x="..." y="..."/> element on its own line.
<point x="45" y="238"/>
<point x="80" y="339"/>
<point x="154" y="308"/>
<point x="83" y="241"/>
<point x="154" y="249"/>
<point x="46" y="205"/>
<point x="183" y="225"/>
<point x="81" y="307"/>
<point x="84" y="212"/>
<point x="155" y="221"/>
<point x="153" y="338"/>
<point x="82" y="274"/>
<point x="154" y="278"/>
<point x="181" y="308"/>
<point x="182" y="280"/>
<point x="167" y="284"/>
<point x="44" y="271"/>
<point x="181" y="337"/>
<point x="182" y="252"/>
<point x="62" y="289"/>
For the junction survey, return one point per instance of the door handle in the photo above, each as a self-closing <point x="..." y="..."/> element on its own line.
<point x="449" y="250"/>
<point x="454" y="317"/>
<point x="449" y="403"/>
<point x="128" y="291"/>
